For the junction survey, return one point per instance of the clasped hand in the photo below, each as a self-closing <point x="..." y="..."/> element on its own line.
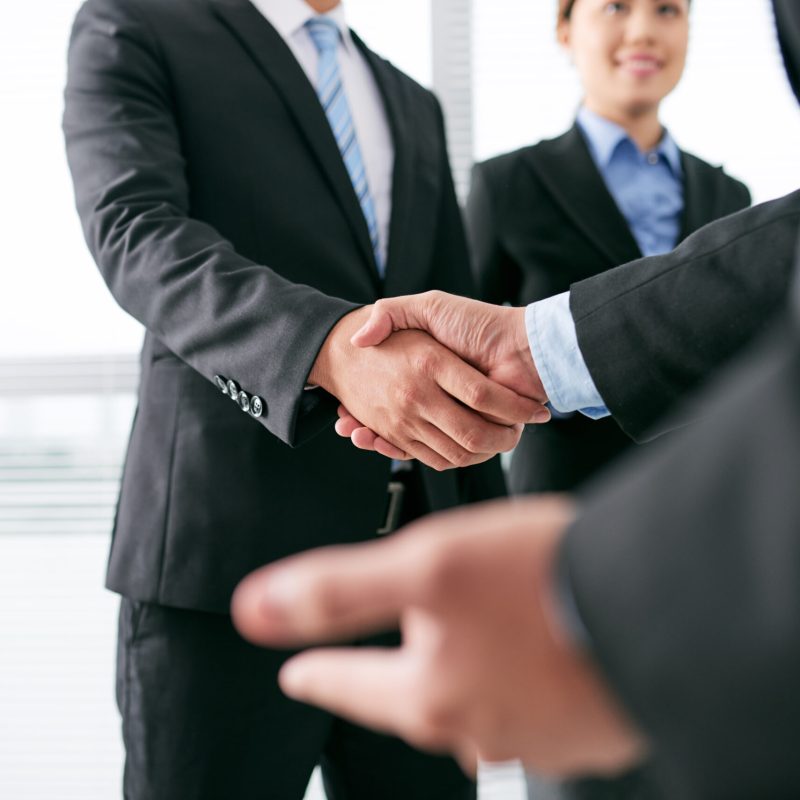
<point x="491" y="339"/>
<point x="415" y="398"/>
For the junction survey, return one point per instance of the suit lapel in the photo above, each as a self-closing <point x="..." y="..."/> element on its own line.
<point x="566" y="168"/>
<point x="266" y="47"/>
<point x="400" y="117"/>
<point x="698" y="198"/>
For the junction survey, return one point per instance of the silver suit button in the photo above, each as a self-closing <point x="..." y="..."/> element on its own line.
<point x="233" y="390"/>
<point x="244" y="401"/>
<point x="256" y="406"/>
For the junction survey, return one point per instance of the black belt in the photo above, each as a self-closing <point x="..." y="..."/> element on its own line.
<point x="396" y="491"/>
<point x="405" y="500"/>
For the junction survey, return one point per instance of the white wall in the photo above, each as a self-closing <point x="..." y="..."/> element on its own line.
<point x="52" y="299"/>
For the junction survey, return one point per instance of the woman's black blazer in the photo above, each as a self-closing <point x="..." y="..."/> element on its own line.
<point x="541" y="218"/>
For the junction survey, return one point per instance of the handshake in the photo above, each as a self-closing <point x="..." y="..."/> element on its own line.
<point x="443" y="379"/>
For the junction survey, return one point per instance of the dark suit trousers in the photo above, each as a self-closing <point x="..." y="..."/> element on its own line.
<point x="204" y="719"/>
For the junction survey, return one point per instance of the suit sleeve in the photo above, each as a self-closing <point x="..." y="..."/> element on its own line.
<point x="215" y="309"/>
<point x="652" y="330"/>
<point x="685" y="567"/>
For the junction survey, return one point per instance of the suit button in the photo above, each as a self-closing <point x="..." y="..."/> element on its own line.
<point x="244" y="401"/>
<point x="256" y="406"/>
<point x="233" y="390"/>
<point x="222" y="384"/>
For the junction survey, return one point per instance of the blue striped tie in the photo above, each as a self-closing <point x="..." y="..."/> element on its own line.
<point x="325" y="35"/>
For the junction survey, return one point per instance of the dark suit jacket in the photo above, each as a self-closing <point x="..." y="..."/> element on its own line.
<point x="685" y="565"/>
<point x="542" y="218"/>
<point x="653" y="330"/>
<point x="217" y="206"/>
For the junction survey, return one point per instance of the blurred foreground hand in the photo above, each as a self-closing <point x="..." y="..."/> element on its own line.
<point x="485" y="669"/>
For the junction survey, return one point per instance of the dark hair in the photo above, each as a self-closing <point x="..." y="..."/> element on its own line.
<point x="565" y="8"/>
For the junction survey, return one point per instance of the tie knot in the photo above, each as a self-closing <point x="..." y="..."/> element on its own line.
<point x="324" y="33"/>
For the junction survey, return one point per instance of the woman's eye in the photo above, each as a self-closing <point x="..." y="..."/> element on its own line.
<point x="669" y="10"/>
<point x="614" y="8"/>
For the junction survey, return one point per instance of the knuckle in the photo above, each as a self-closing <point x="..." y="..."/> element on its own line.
<point x="380" y="306"/>
<point x="434" y="297"/>
<point x="513" y="437"/>
<point x="423" y="735"/>
<point x="426" y="360"/>
<point x="463" y="459"/>
<point x="476" y="394"/>
<point x="473" y="441"/>
<point x="455" y="455"/>
<point x="408" y="395"/>
<point x="440" y="465"/>
<point x="434" y="726"/>
<point x="439" y="716"/>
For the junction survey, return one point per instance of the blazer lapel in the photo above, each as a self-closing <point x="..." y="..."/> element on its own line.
<point x="698" y="198"/>
<point x="566" y="168"/>
<point x="400" y="118"/>
<point x="266" y="47"/>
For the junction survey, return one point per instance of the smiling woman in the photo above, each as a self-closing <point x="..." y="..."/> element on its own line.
<point x="629" y="56"/>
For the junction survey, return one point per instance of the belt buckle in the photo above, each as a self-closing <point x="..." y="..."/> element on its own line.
<point x="395" y="490"/>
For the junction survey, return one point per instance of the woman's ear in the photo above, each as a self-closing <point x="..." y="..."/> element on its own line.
<point x="563" y="35"/>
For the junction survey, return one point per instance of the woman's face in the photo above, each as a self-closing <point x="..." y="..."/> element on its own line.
<point x="629" y="54"/>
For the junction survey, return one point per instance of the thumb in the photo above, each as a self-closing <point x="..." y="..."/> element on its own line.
<point x="375" y="330"/>
<point x="393" y="314"/>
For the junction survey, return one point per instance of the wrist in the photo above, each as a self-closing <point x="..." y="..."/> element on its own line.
<point x="335" y="350"/>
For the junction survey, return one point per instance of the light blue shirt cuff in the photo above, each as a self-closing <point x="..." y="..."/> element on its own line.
<point x="554" y="346"/>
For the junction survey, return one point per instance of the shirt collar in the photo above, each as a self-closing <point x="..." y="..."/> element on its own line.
<point x="289" y="16"/>
<point x="605" y="136"/>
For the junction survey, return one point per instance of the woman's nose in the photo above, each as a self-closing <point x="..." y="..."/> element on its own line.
<point x="641" y="25"/>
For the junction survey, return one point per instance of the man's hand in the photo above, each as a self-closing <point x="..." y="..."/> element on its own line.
<point x="485" y="669"/>
<point x="417" y="394"/>
<point x="490" y="338"/>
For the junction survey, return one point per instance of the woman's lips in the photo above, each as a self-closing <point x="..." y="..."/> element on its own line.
<point x="640" y="65"/>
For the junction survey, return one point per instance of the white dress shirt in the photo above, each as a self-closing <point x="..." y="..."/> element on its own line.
<point x="288" y="17"/>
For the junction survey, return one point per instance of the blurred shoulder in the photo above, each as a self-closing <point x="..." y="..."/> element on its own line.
<point x="713" y="177"/>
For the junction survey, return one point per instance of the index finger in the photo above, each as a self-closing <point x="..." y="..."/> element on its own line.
<point x="359" y="683"/>
<point x="374" y="687"/>
<point x="489" y="398"/>
<point x="327" y="594"/>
